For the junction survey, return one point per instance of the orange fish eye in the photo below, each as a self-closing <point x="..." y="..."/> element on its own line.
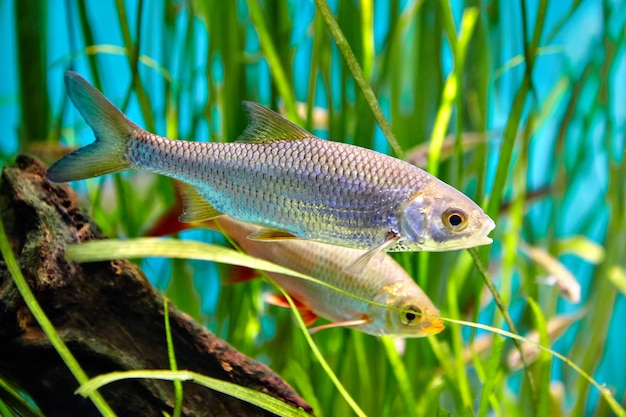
<point x="454" y="220"/>
<point x="410" y="316"/>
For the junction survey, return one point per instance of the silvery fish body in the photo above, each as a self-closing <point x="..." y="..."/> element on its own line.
<point x="384" y="282"/>
<point x="281" y="177"/>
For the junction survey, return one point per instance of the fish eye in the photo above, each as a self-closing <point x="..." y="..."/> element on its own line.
<point x="454" y="220"/>
<point x="410" y="316"/>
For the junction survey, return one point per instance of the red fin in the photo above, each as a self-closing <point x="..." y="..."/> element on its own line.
<point x="238" y="274"/>
<point x="279" y="300"/>
<point x="168" y="224"/>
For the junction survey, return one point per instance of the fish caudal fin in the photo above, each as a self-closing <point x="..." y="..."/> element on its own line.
<point x="113" y="131"/>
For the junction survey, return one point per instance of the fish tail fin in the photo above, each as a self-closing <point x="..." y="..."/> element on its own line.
<point x="113" y="131"/>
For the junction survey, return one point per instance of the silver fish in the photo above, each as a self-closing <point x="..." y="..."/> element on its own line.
<point x="279" y="176"/>
<point x="383" y="282"/>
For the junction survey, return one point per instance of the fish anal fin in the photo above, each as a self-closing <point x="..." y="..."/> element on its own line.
<point x="267" y="233"/>
<point x="348" y="323"/>
<point x="267" y="125"/>
<point x="357" y="267"/>
<point x="308" y="316"/>
<point x="195" y="207"/>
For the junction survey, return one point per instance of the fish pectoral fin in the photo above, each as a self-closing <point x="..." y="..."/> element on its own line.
<point x="348" y="323"/>
<point x="195" y="207"/>
<point x="267" y="233"/>
<point x="357" y="267"/>
<point x="308" y="316"/>
<point x="267" y="125"/>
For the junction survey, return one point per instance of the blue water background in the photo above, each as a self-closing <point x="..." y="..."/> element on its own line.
<point x="575" y="45"/>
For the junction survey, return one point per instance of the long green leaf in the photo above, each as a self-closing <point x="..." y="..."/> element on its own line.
<point x="249" y="395"/>
<point x="357" y="73"/>
<point x="150" y="247"/>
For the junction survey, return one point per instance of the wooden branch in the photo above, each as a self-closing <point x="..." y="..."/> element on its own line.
<point x="108" y="314"/>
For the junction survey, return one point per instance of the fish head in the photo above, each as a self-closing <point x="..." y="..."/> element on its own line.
<point x="410" y="312"/>
<point x="441" y="218"/>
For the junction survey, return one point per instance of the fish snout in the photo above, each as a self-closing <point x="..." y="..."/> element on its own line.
<point x="487" y="227"/>
<point x="434" y="327"/>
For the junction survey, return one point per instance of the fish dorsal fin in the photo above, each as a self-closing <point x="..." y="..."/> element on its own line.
<point x="308" y="316"/>
<point x="270" y="234"/>
<point x="267" y="125"/>
<point x="195" y="207"/>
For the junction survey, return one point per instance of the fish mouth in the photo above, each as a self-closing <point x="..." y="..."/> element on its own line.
<point x="435" y="326"/>
<point x="485" y="230"/>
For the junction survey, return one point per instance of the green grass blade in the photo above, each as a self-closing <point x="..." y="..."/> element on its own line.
<point x="543" y="362"/>
<point x="510" y="131"/>
<point x="171" y="355"/>
<point x="264" y="401"/>
<point x="491" y="377"/>
<point x="11" y="399"/>
<point x="146" y="247"/>
<point x="320" y="358"/>
<point x="605" y="392"/>
<point x="501" y="306"/>
<point x="453" y="86"/>
<point x="401" y="375"/>
<point x="133" y="61"/>
<point x="30" y="22"/>
<point x="357" y="73"/>
<point x="278" y="72"/>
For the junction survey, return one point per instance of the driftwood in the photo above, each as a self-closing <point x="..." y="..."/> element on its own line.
<point x="108" y="314"/>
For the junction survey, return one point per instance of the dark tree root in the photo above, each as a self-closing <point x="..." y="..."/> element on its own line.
<point x="108" y="314"/>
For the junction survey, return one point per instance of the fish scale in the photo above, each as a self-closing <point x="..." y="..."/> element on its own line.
<point x="282" y="186"/>
<point x="279" y="176"/>
<point x="384" y="282"/>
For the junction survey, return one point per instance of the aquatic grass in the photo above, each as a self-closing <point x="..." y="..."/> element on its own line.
<point x="318" y="355"/>
<point x="96" y="251"/>
<point x="279" y="75"/>
<point x="110" y="249"/>
<point x="401" y="375"/>
<point x="406" y="70"/>
<point x="249" y="395"/>
<point x="489" y="378"/>
<point x="357" y="73"/>
<point x="171" y="354"/>
<point x="30" y="36"/>
<point x="181" y="290"/>
<point x="454" y="83"/>
<point x="543" y="363"/>
<point x="14" y="403"/>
